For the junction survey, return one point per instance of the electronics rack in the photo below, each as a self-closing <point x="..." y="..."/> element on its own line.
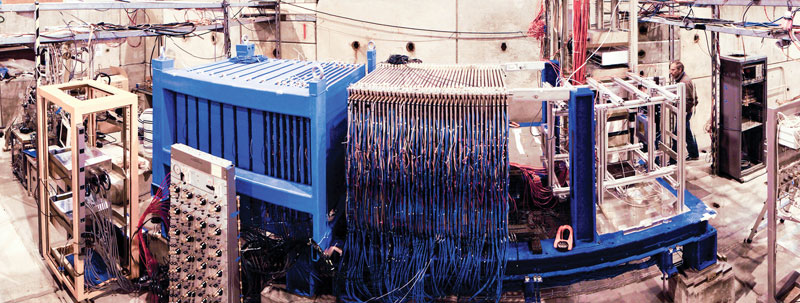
<point x="203" y="245"/>
<point x="744" y="99"/>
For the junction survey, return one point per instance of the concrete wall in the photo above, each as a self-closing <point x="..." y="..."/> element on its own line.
<point x="307" y="35"/>
<point x="336" y="35"/>
<point x="695" y="55"/>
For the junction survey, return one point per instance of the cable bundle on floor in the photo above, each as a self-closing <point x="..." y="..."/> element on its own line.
<point x="427" y="175"/>
<point x="264" y="259"/>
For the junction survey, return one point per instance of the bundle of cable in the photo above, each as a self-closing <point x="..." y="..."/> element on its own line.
<point x="427" y="177"/>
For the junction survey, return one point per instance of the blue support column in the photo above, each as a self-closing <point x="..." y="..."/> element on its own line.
<point x="316" y="89"/>
<point x="549" y="75"/>
<point x="665" y="263"/>
<point x="297" y="279"/>
<point x="581" y="159"/>
<point x="371" y="60"/>
<point x="532" y="288"/>
<point x="163" y="124"/>
<point x="702" y="253"/>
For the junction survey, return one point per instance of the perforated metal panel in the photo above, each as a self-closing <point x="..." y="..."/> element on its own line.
<point x="203" y="247"/>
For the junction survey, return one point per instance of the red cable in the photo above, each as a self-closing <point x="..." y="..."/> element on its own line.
<point x="539" y="194"/>
<point x="580" y="33"/>
<point x="155" y="208"/>
<point x="536" y="29"/>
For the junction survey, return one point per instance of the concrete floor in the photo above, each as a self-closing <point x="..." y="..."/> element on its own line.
<point x="739" y="204"/>
<point x="24" y="278"/>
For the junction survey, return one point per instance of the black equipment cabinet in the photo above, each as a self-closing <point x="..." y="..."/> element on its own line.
<point x="743" y="116"/>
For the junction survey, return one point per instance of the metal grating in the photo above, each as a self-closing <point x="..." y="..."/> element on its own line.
<point x="286" y="73"/>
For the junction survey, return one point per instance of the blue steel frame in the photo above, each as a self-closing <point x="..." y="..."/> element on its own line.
<point x="324" y="104"/>
<point x="603" y="256"/>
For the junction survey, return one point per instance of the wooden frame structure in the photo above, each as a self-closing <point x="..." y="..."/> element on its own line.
<point x="100" y="97"/>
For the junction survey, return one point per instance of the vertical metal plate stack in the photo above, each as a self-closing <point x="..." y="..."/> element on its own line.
<point x="427" y="160"/>
<point x="280" y="122"/>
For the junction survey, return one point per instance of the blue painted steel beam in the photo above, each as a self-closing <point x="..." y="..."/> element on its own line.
<point x="319" y="135"/>
<point x="581" y="159"/>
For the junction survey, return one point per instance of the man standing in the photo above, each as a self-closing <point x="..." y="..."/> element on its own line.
<point x="678" y="75"/>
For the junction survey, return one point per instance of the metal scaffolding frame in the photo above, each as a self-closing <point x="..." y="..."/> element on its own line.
<point x="110" y="35"/>
<point x="100" y="97"/>
<point x="671" y="99"/>
<point x="612" y="96"/>
<point x="583" y="107"/>
<point x="725" y="28"/>
<point x="760" y="31"/>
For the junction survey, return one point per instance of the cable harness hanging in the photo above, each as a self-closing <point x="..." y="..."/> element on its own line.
<point x="427" y="177"/>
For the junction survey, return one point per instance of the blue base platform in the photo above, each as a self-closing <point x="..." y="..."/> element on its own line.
<point x="616" y="253"/>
